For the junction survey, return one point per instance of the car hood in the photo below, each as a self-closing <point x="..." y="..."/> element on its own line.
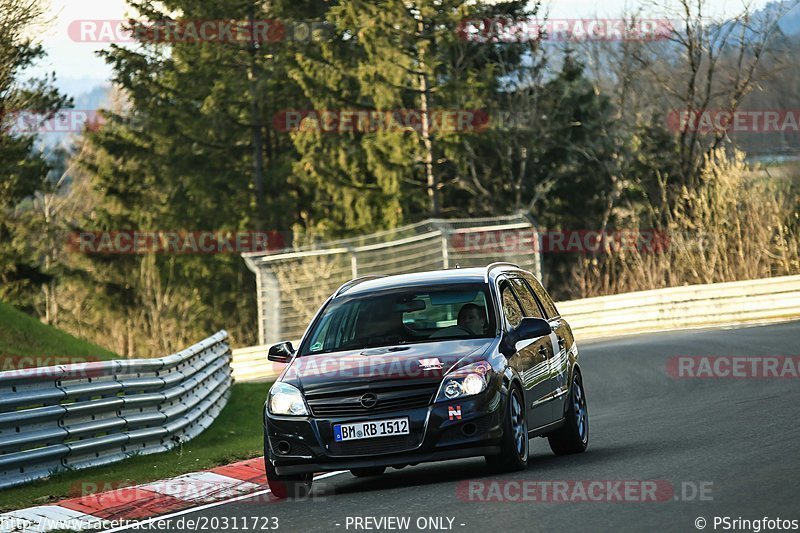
<point x="375" y="368"/>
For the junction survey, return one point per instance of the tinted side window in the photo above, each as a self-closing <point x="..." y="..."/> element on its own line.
<point x="336" y="328"/>
<point x="511" y="307"/>
<point x="526" y="298"/>
<point x="543" y="297"/>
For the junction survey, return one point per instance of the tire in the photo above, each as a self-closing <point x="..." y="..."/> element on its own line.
<point x="573" y="437"/>
<point x="287" y="487"/>
<point x="370" y="471"/>
<point x="515" y="445"/>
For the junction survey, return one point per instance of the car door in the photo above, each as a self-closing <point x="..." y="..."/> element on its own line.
<point x="530" y="359"/>
<point x="542" y="350"/>
<point x="563" y="343"/>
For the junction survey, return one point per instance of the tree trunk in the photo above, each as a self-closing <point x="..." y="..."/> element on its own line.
<point x="427" y="142"/>
<point x="257" y="136"/>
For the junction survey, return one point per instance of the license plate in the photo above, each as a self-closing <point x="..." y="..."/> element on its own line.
<point x="370" y="430"/>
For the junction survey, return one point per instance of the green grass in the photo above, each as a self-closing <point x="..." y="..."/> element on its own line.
<point x="23" y="336"/>
<point x="237" y="434"/>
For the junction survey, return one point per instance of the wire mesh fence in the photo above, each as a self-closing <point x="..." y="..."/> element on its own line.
<point x="292" y="284"/>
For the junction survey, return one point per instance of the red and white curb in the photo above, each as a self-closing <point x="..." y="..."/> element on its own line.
<point x="171" y="497"/>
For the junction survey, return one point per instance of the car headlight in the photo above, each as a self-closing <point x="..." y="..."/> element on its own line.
<point x="285" y="399"/>
<point x="467" y="381"/>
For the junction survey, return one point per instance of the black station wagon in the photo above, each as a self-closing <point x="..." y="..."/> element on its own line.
<point x="398" y="370"/>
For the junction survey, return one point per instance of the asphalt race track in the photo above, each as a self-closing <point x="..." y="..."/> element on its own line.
<point x="738" y="440"/>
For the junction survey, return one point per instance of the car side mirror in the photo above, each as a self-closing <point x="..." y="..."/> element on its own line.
<point x="281" y="352"/>
<point x="532" y="328"/>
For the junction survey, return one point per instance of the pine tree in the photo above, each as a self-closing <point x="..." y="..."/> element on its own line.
<point x="23" y="169"/>
<point x="193" y="148"/>
<point x="396" y="55"/>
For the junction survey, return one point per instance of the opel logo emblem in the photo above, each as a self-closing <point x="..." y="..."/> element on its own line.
<point x="369" y="400"/>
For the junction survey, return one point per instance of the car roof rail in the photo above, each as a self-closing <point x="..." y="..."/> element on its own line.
<point x="354" y="282"/>
<point x="499" y="264"/>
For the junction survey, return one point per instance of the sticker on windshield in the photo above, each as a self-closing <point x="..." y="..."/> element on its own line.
<point x="316" y="346"/>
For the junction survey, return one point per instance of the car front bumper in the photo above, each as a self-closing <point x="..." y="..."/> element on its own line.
<point x="299" y="445"/>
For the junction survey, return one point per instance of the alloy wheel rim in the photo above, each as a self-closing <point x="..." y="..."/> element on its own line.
<point x="581" y="413"/>
<point x="519" y="427"/>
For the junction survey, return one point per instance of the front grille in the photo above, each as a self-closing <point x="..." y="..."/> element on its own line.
<point x="393" y="400"/>
<point x="377" y="446"/>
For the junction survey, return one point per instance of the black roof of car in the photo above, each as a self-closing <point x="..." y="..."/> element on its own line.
<point x="456" y="275"/>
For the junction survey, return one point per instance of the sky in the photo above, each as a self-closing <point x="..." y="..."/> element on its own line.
<point x="79" y="70"/>
<point x="73" y="60"/>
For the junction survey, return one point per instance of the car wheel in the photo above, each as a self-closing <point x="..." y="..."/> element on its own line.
<point x="283" y="487"/>
<point x="574" y="436"/>
<point x="515" y="444"/>
<point x="368" y="471"/>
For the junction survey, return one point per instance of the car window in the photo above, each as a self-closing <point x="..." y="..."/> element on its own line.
<point x="402" y="315"/>
<point x="511" y="308"/>
<point x="543" y="297"/>
<point x="335" y="328"/>
<point x="529" y="304"/>
<point x="318" y="340"/>
<point x="441" y="313"/>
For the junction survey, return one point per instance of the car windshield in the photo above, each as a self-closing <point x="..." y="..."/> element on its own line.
<point x="402" y="316"/>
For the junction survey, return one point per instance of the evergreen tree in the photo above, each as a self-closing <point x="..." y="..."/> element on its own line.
<point x="192" y="148"/>
<point x="398" y="55"/>
<point x="23" y="170"/>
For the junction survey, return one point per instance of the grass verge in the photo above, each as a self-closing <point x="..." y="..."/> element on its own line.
<point x="235" y="435"/>
<point x="25" y="338"/>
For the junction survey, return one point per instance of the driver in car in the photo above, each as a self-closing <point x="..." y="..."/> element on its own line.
<point x="472" y="318"/>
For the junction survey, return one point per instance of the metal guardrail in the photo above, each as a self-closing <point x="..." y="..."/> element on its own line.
<point x="251" y="365"/>
<point x="82" y="415"/>
<point x="693" y="306"/>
